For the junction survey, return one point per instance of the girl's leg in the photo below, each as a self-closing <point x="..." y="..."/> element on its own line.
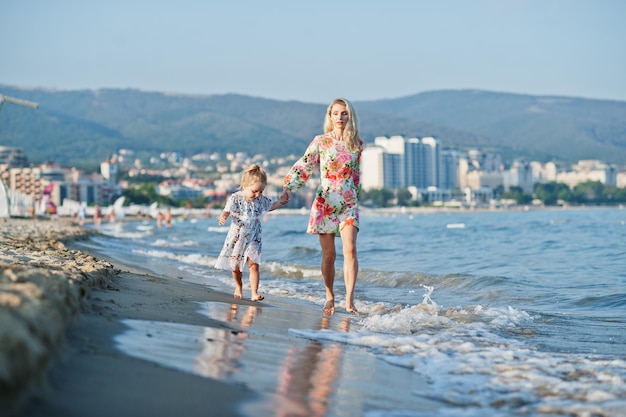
<point x="238" y="284"/>
<point x="327" y="243"/>
<point x="350" y="264"/>
<point x="254" y="281"/>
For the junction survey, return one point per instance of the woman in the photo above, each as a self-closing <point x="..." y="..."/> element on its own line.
<point x="335" y="210"/>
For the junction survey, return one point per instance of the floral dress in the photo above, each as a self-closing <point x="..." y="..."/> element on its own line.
<point x="243" y="240"/>
<point x="336" y="198"/>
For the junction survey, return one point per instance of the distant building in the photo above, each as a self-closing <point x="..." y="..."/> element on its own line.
<point x="544" y="173"/>
<point x="27" y="181"/>
<point x="396" y="162"/>
<point x="177" y="191"/>
<point x="61" y="184"/>
<point x="450" y="169"/>
<point x="109" y="170"/>
<point x="479" y="180"/>
<point x="13" y="157"/>
<point x="520" y="174"/>
<point x="589" y="170"/>
<point x="621" y="179"/>
<point x="372" y="173"/>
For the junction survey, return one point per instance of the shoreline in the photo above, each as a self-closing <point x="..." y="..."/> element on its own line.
<point x="241" y="359"/>
<point x="238" y="357"/>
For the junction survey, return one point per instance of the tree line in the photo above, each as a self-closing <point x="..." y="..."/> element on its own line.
<point x="550" y="194"/>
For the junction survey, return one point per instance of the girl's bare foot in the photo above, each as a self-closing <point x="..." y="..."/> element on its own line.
<point x="257" y="297"/>
<point x="237" y="294"/>
<point x="329" y="307"/>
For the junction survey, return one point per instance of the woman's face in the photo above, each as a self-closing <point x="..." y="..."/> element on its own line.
<point x="339" y="115"/>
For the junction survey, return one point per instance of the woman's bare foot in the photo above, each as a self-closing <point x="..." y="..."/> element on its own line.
<point x="352" y="309"/>
<point x="329" y="307"/>
<point x="257" y="297"/>
<point x="237" y="294"/>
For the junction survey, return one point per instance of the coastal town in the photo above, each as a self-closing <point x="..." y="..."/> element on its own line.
<point x="394" y="171"/>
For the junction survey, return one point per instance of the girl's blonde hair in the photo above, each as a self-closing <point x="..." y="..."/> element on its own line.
<point x="252" y="174"/>
<point x="351" y="132"/>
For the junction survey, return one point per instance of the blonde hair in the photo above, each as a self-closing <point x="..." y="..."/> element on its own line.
<point x="351" y="132"/>
<point x="252" y="174"/>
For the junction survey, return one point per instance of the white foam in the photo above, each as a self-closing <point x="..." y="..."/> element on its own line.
<point x="469" y="364"/>
<point x="193" y="258"/>
<point x="169" y="243"/>
<point x="221" y="229"/>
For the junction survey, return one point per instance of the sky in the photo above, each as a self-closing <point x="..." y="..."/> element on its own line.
<point x="314" y="51"/>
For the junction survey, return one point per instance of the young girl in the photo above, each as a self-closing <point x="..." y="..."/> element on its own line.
<point x="243" y="242"/>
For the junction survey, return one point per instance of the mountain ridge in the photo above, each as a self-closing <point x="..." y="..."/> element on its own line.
<point x="74" y="127"/>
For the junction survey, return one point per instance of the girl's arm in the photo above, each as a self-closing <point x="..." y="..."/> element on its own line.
<point x="223" y="217"/>
<point x="284" y="199"/>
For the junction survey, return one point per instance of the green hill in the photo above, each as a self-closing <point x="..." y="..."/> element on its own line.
<point x="81" y="128"/>
<point x="561" y="128"/>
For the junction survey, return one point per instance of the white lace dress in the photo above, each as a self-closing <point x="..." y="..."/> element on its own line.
<point x="243" y="240"/>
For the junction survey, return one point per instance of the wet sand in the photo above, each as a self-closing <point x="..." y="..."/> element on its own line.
<point x="105" y="343"/>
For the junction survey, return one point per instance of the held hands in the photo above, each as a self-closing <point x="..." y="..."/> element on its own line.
<point x="285" y="196"/>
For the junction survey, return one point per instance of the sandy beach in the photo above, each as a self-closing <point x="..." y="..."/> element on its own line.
<point x="65" y="316"/>
<point x="59" y="311"/>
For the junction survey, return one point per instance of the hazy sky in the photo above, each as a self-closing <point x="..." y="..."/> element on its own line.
<point x="314" y="51"/>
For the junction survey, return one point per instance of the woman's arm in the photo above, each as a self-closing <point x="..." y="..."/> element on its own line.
<point x="302" y="170"/>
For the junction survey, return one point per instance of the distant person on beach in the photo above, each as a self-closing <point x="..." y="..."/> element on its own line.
<point x="335" y="210"/>
<point x="81" y="214"/>
<point x="97" y="215"/>
<point x="160" y="218"/>
<point x="242" y="246"/>
<point x="168" y="218"/>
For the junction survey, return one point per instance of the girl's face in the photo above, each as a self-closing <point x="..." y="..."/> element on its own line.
<point x="339" y="115"/>
<point x="253" y="191"/>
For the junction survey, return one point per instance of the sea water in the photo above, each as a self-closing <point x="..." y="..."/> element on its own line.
<point x="516" y="312"/>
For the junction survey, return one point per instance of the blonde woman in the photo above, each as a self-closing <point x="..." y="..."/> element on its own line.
<point x="335" y="210"/>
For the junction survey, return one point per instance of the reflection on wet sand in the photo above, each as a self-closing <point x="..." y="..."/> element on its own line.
<point x="306" y="380"/>
<point x="205" y="351"/>
<point x="307" y="376"/>
<point x="219" y="360"/>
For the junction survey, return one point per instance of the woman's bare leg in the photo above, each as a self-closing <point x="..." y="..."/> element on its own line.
<point x="238" y="284"/>
<point x="350" y="264"/>
<point x="327" y="243"/>
<point x="254" y="281"/>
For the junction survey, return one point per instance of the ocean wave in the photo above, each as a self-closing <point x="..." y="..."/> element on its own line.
<point x="606" y="301"/>
<point x="469" y="364"/>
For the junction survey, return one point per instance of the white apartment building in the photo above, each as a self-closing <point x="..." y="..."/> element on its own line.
<point x="589" y="170"/>
<point x="544" y="173"/>
<point x="372" y="174"/>
<point x="396" y="162"/>
<point x="519" y="175"/>
<point x="109" y="170"/>
<point x="478" y="180"/>
<point x="621" y="179"/>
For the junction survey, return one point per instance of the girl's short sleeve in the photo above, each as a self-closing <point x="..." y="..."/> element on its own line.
<point x="229" y="204"/>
